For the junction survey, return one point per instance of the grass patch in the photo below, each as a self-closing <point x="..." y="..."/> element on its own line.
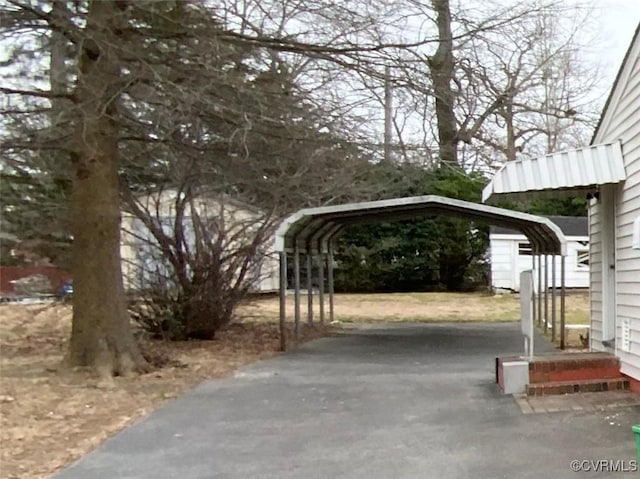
<point x="418" y="308"/>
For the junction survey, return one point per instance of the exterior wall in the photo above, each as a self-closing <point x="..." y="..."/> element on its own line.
<point x="621" y="121"/>
<point x="502" y="261"/>
<point x="163" y="206"/>
<point x="506" y="263"/>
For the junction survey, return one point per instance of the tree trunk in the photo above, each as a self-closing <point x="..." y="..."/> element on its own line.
<point x="441" y="66"/>
<point x="101" y="336"/>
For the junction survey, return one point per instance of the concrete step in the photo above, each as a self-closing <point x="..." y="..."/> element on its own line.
<point x="587" y="385"/>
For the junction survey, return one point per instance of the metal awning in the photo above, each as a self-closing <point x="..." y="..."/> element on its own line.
<point x="310" y="229"/>
<point x="559" y="174"/>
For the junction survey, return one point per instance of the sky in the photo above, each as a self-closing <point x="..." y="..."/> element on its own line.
<point x="617" y="22"/>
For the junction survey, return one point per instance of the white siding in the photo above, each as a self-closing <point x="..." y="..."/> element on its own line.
<point x="621" y="121"/>
<point x="506" y="264"/>
<point x="502" y="262"/>
<point x="137" y="267"/>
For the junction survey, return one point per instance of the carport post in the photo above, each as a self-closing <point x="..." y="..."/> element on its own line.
<point x="533" y="273"/>
<point x="539" y="289"/>
<point x="563" y="293"/>
<point x="330" y="274"/>
<point x="321" y="263"/>
<point x="283" y="300"/>
<point x="546" y="293"/>
<point x="309" y="286"/>
<point x="553" y="298"/>
<point x="296" y="277"/>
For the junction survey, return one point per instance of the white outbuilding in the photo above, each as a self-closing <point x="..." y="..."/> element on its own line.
<point x="510" y="253"/>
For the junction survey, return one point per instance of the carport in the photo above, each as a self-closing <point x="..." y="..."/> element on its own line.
<point x="311" y="232"/>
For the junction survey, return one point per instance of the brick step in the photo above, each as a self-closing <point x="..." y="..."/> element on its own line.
<point x="585" y="373"/>
<point x="574" y="367"/>
<point x="583" y="386"/>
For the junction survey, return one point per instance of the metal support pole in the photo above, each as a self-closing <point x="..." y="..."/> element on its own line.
<point x="296" y="276"/>
<point x="546" y="293"/>
<point x="553" y="299"/>
<point x="533" y="289"/>
<point x="563" y="292"/>
<point x="309" y="287"/>
<point x="539" y="290"/>
<point x="321" y="265"/>
<point x="330" y="274"/>
<point x="283" y="300"/>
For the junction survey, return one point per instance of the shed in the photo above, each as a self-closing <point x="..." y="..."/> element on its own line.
<point x="510" y="253"/>
<point x="236" y="220"/>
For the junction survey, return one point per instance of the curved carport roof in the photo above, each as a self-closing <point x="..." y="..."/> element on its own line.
<point x="310" y="231"/>
<point x="311" y="228"/>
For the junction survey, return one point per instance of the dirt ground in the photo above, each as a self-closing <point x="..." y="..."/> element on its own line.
<point x="50" y="417"/>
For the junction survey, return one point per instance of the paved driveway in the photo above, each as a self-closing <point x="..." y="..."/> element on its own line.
<point x="409" y="402"/>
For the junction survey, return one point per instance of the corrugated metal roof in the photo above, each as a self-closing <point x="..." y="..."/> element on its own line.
<point x="310" y="229"/>
<point x="570" y="226"/>
<point x="565" y="172"/>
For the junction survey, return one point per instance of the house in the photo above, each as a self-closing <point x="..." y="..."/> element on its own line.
<point x="607" y="172"/>
<point x="510" y="253"/>
<point x="232" y="223"/>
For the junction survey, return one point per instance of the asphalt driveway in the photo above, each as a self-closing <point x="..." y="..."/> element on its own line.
<point x="408" y="402"/>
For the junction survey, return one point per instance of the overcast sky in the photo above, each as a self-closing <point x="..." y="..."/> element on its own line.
<point x="618" y="20"/>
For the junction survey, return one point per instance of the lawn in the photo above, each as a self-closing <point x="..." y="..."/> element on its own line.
<point x="421" y="307"/>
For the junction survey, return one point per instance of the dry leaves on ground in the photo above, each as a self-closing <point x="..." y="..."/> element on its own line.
<point x="50" y="417"/>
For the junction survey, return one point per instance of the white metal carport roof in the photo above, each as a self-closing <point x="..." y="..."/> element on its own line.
<point x="309" y="229"/>
<point x="573" y="171"/>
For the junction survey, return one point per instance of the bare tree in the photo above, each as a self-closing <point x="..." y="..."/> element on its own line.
<point x="193" y="257"/>
<point x="549" y="92"/>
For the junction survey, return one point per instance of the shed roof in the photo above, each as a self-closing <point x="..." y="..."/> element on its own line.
<point x="310" y="229"/>
<point x="566" y="172"/>
<point x="570" y="226"/>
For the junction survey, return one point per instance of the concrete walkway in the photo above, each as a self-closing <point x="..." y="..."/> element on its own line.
<point x="408" y="402"/>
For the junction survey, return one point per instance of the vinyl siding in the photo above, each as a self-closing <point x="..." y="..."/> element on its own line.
<point x="501" y="255"/>
<point x="506" y="264"/>
<point x="621" y="122"/>
<point x="137" y="268"/>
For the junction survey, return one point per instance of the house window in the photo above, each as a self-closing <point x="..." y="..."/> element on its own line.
<point x="582" y="255"/>
<point x="524" y="249"/>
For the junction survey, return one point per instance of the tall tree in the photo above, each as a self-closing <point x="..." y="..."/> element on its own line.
<point x="441" y="65"/>
<point x="101" y="334"/>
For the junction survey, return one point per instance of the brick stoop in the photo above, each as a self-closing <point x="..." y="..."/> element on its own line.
<point x="573" y="367"/>
<point x="635" y="384"/>
<point x="580" y="386"/>
<point x="564" y="373"/>
<point x="575" y="373"/>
